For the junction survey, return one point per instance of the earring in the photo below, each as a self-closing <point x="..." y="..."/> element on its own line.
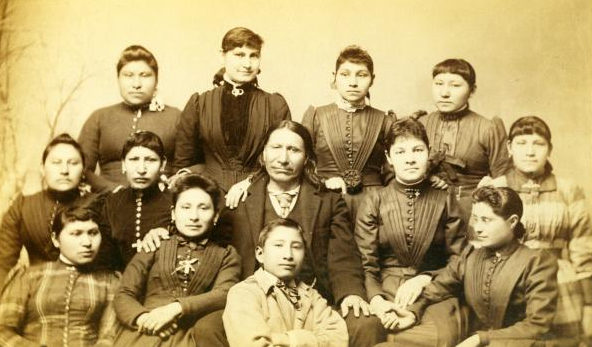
<point x="123" y="170"/>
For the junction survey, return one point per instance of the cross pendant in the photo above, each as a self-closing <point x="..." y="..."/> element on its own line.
<point x="137" y="245"/>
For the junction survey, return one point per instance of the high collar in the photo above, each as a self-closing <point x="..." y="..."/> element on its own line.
<point x="148" y="193"/>
<point x="406" y="188"/>
<point x="63" y="262"/>
<point x="450" y="116"/>
<point x="199" y="241"/>
<point x="349" y="106"/>
<point x="227" y="83"/>
<point x="504" y="251"/>
<point x="522" y="182"/>
<point x="135" y="108"/>
<point x="65" y="196"/>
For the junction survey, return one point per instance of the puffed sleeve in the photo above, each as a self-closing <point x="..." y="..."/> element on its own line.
<point x="499" y="158"/>
<point x="329" y="328"/>
<point x="447" y="284"/>
<point x="281" y="111"/>
<point x="540" y="278"/>
<point x="309" y="122"/>
<point x="580" y="243"/>
<point x="344" y="262"/>
<point x="215" y="299"/>
<point x="13" y="310"/>
<point x="90" y="140"/>
<point x="366" y="233"/>
<point x="188" y="150"/>
<point x="131" y="289"/>
<point x="10" y="237"/>
<point x="108" y="323"/>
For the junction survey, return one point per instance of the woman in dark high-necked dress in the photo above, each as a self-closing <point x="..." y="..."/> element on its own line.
<point x="348" y="134"/>
<point x="27" y="222"/>
<point x="510" y="289"/>
<point x="144" y="204"/>
<point x="467" y="145"/>
<point x="221" y="131"/>
<point x="407" y="232"/>
<point x="175" y="296"/>
<point x="106" y="130"/>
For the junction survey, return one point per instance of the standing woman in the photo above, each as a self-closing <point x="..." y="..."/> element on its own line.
<point x="348" y="133"/>
<point x="556" y="218"/>
<point x="105" y="131"/>
<point x="223" y="128"/>
<point x="467" y="145"/>
<point x="28" y="220"/>
<point x="406" y="233"/>
<point x="175" y="296"/>
<point x="130" y="213"/>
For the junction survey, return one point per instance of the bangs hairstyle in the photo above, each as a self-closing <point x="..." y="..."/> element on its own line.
<point x="310" y="166"/>
<point x="146" y="139"/>
<point x="504" y="202"/>
<point x="530" y="125"/>
<point x="406" y="128"/>
<point x="62" y="139"/>
<point x="355" y="54"/>
<point x="239" y="37"/>
<point x="457" y="66"/>
<point x="136" y="53"/>
<point x="280" y="222"/>
<point x="191" y="181"/>
<point x="73" y="213"/>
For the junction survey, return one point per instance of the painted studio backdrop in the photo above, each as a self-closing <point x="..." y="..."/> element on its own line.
<point x="58" y="61"/>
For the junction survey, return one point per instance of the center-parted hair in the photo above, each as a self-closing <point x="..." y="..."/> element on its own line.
<point x="67" y="214"/>
<point x="137" y="53"/>
<point x="191" y="181"/>
<point x="146" y="139"/>
<point x="504" y="202"/>
<point x="405" y="128"/>
<point x="239" y="37"/>
<point x="530" y="125"/>
<point x="310" y="166"/>
<point x="459" y="67"/>
<point x="355" y="54"/>
<point x="62" y="139"/>
<point x="280" y="222"/>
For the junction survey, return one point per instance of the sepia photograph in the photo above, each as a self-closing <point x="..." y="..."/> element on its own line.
<point x="295" y="173"/>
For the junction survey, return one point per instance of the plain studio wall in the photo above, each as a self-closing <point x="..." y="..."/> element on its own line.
<point x="531" y="58"/>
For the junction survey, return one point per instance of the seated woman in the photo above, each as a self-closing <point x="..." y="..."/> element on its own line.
<point x="105" y="131"/>
<point x="67" y="302"/>
<point x="130" y="213"/>
<point x="406" y="233"/>
<point x="348" y="134"/>
<point x="511" y="290"/>
<point x="183" y="284"/>
<point x="556" y="218"/>
<point x="28" y="220"/>
<point x="273" y="307"/>
<point x="468" y="145"/>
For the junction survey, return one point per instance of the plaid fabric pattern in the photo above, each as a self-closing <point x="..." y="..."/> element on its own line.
<point x="54" y="304"/>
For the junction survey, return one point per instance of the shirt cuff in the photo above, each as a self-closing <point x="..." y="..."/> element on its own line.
<point x="484" y="337"/>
